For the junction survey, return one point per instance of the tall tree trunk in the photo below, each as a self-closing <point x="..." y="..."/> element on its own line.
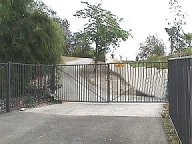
<point x="172" y="47"/>
<point x="96" y="57"/>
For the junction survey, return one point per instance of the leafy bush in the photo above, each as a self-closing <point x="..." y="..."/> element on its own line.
<point x="28" y="34"/>
<point x="35" y="96"/>
<point x="182" y="52"/>
<point x="154" y="61"/>
<point x="155" y="58"/>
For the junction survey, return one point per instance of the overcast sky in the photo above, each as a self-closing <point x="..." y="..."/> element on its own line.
<point x="144" y="17"/>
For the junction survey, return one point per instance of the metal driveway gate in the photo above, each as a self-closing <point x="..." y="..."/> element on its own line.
<point x="26" y="85"/>
<point x="121" y="82"/>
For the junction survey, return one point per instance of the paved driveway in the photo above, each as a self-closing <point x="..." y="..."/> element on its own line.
<point x="76" y="125"/>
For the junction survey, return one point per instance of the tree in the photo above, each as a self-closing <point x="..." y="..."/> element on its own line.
<point x="188" y="39"/>
<point x="68" y="35"/>
<point x="81" y="46"/>
<point x="176" y="39"/>
<point x="151" y="46"/>
<point x="28" y="33"/>
<point x="102" y="28"/>
<point x="175" y="23"/>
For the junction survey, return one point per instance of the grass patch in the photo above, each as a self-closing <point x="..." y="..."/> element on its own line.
<point x="169" y="127"/>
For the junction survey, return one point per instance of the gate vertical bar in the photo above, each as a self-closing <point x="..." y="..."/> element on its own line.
<point x="190" y="103"/>
<point x="108" y="83"/>
<point x="9" y="88"/>
<point x="52" y="84"/>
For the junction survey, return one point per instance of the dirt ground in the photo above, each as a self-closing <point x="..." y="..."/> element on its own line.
<point x="97" y="76"/>
<point x="67" y="59"/>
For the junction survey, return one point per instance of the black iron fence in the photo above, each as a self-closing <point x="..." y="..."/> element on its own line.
<point x="26" y="85"/>
<point x="3" y="85"/>
<point x="118" y="82"/>
<point x="23" y="85"/>
<point x="180" y="94"/>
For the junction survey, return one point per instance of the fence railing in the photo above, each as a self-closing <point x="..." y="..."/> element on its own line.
<point x="147" y="78"/>
<point x="3" y="85"/>
<point x="180" y="97"/>
<point x="26" y="85"/>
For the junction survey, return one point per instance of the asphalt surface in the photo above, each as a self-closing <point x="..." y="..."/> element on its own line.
<point x="84" y="123"/>
<point x="38" y="128"/>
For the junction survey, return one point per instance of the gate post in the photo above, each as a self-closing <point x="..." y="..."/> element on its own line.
<point x="190" y="103"/>
<point x="108" y="82"/>
<point x="9" y="88"/>
<point x="52" y="84"/>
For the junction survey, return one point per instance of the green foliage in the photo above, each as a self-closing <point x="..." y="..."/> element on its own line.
<point x="81" y="46"/>
<point x="172" y="135"/>
<point x="175" y="26"/>
<point x="102" y="28"/>
<point x="151" y="46"/>
<point x="161" y="62"/>
<point x="186" y="51"/>
<point x="153" y="61"/>
<point x="150" y="64"/>
<point x="176" y="39"/>
<point x="68" y="35"/>
<point x="182" y="53"/>
<point x="83" y="52"/>
<point x="188" y="39"/>
<point x="28" y="34"/>
<point x="31" y="100"/>
<point x="156" y="58"/>
<point x="28" y="102"/>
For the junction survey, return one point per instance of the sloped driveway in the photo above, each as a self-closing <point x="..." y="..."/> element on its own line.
<point x="84" y="123"/>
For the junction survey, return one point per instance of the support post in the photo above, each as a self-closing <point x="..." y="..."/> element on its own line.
<point x="9" y="93"/>
<point x="52" y="84"/>
<point x="108" y="83"/>
<point x="190" y="103"/>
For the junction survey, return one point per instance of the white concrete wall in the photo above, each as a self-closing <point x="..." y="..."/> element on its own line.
<point x="150" y="81"/>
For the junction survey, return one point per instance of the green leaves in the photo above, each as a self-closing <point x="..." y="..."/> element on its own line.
<point x="175" y="23"/>
<point x="188" y="38"/>
<point x="151" y="46"/>
<point x="28" y="33"/>
<point x="102" y="28"/>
